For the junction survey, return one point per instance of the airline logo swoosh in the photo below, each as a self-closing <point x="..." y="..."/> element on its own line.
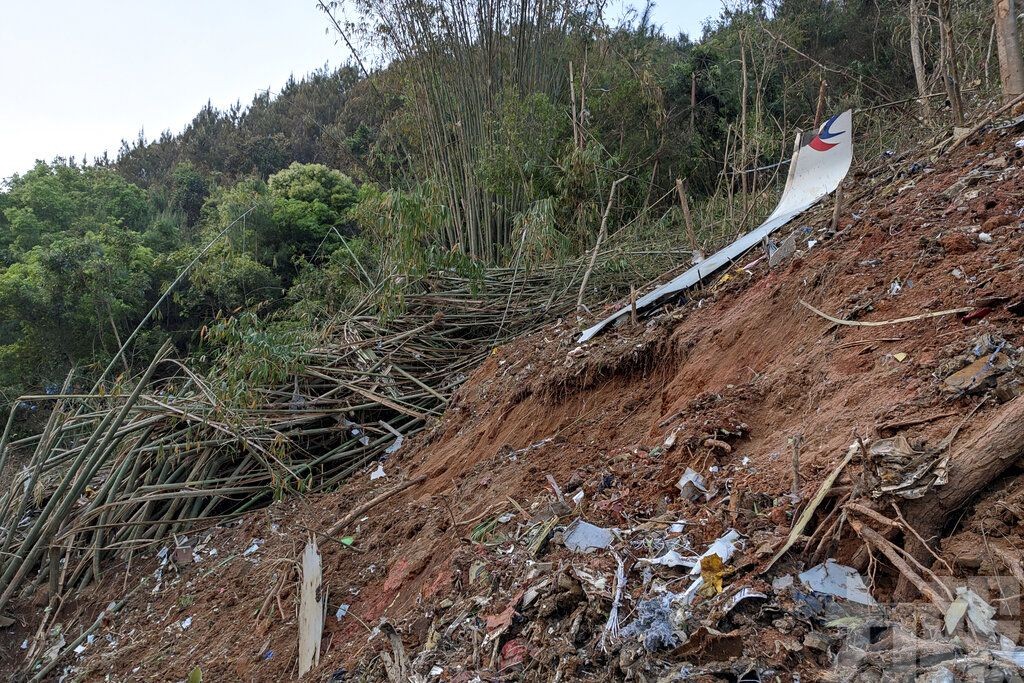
<point x="820" y="142"/>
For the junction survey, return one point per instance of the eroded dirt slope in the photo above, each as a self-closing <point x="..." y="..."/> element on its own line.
<point x="470" y="567"/>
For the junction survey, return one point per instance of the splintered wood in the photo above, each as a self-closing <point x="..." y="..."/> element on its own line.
<point x="311" y="609"/>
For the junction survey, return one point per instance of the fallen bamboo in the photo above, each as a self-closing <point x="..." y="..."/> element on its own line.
<point x="370" y="504"/>
<point x="812" y="507"/>
<point x="883" y="323"/>
<point x="129" y="467"/>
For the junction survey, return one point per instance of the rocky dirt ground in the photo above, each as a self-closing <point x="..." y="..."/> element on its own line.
<point x="475" y="574"/>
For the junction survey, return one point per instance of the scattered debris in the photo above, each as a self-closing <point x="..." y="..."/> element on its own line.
<point x="745" y="594"/>
<point x="783" y="252"/>
<point x="728" y="580"/>
<point x="902" y="471"/>
<point x="978" y="612"/>
<point x="832" y="578"/>
<point x="723" y="548"/>
<point x="691" y="485"/>
<point x="658" y="623"/>
<point x="979" y="374"/>
<point x="253" y="547"/>
<point x="584" y="537"/>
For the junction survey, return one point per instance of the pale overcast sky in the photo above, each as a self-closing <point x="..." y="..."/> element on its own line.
<point x="78" y="77"/>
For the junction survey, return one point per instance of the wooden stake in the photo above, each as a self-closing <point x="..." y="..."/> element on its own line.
<point x="796" y="442"/>
<point x="632" y="304"/>
<point x="837" y="208"/>
<point x="819" y="113"/>
<point x="684" y="203"/>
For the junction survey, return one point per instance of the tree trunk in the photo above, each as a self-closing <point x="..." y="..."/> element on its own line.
<point x="973" y="467"/>
<point x="918" y="57"/>
<point x="951" y="75"/>
<point x="1011" y="63"/>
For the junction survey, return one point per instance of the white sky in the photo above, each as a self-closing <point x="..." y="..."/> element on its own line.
<point x="77" y="77"/>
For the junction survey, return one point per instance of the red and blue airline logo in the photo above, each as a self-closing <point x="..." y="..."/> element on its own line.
<point x="820" y="142"/>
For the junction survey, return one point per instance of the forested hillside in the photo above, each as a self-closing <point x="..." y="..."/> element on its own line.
<point x="338" y="365"/>
<point x="473" y="141"/>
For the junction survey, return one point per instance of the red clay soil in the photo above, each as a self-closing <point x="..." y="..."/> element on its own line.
<point x="735" y="374"/>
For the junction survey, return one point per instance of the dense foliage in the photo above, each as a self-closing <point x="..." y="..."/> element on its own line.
<point x="480" y="139"/>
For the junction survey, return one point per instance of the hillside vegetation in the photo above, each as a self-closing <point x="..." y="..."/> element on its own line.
<point x="477" y="140"/>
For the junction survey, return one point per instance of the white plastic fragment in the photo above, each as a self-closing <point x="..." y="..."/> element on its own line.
<point x="781" y="583"/>
<point x="186" y="623"/>
<point x="691" y="485"/>
<point x="578" y="497"/>
<point x="394" y="444"/>
<point x="744" y="594"/>
<point x="584" y="537"/>
<point x="670" y="559"/>
<point x="378" y="473"/>
<point x="832" y="578"/>
<point x="724" y="547"/>
<point x="342" y="611"/>
<point x="985" y="237"/>
<point x="978" y="612"/>
<point x="253" y="547"/>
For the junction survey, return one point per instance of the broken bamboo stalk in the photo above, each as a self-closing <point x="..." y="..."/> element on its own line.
<point x="984" y="122"/>
<point x="812" y="506"/>
<point x="597" y="245"/>
<point x="311" y="609"/>
<point x="883" y="323"/>
<point x="354" y="514"/>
